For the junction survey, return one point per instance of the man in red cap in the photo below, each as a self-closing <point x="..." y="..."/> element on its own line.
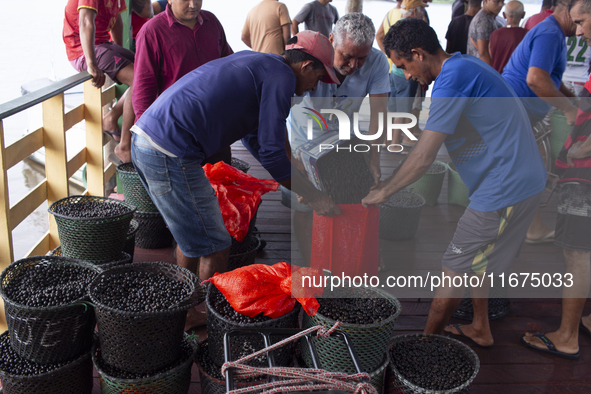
<point x="247" y="94"/>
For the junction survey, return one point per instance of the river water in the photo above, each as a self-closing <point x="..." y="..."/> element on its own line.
<point x="33" y="53"/>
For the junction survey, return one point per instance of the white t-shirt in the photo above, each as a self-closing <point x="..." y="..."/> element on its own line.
<point x="578" y="54"/>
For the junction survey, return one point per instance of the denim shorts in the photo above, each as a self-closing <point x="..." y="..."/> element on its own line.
<point x="183" y="195"/>
<point x="402" y="94"/>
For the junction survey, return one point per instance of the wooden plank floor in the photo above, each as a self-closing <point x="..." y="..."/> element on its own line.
<point x="507" y="367"/>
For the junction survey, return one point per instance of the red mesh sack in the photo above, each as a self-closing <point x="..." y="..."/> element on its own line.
<point x="347" y="244"/>
<point x="260" y="288"/>
<point x="238" y="194"/>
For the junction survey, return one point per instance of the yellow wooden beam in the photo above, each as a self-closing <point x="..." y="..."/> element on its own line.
<point x="108" y="94"/>
<point x="94" y="140"/>
<point x="55" y="157"/>
<point x="76" y="162"/>
<point x="24" y="148"/>
<point x="73" y="116"/>
<point x="28" y="204"/>
<point x="6" y="255"/>
<point x="110" y="171"/>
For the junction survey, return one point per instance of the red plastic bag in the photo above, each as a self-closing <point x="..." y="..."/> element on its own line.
<point x="238" y="194"/>
<point x="347" y="244"/>
<point x="260" y="288"/>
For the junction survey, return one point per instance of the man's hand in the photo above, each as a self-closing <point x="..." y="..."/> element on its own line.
<point x="571" y="114"/>
<point x="324" y="206"/>
<point x="374" y="167"/>
<point x="98" y="77"/>
<point x="578" y="150"/>
<point x="375" y="197"/>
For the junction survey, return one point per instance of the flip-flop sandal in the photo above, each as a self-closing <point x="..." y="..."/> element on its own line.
<point x="584" y="329"/>
<point x="545" y="239"/>
<point x="461" y="334"/>
<point x="550" y="348"/>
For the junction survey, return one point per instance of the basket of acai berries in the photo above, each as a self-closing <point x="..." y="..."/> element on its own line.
<point x="431" y="364"/>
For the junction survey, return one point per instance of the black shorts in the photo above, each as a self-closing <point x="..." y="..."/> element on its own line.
<point x="573" y="225"/>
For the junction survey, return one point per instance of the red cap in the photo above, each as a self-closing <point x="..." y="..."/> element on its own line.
<point x="317" y="45"/>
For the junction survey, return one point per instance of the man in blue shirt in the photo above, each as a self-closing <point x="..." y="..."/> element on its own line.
<point x="247" y="93"/>
<point x="496" y="156"/>
<point x="535" y="72"/>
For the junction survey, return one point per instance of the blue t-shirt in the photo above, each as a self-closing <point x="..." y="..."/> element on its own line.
<point x="490" y="138"/>
<point x="544" y="47"/>
<point x="371" y="78"/>
<point x="223" y="101"/>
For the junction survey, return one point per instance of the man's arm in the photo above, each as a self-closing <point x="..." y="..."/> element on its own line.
<point x="86" y="27"/>
<point x="294" y="27"/>
<point x="483" y="53"/>
<point x="378" y="105"/>
<point x="540" y="82"/>
<point x="246" y="37"/>
<point x="415" y="166"/>
<point x="286" y="32"/>
<point x="380" y="37"/>
<point x="117" y="31"/>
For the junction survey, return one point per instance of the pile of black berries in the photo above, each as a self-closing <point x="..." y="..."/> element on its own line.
<point x="140" y="291"/>
<point x="91" y="209"/>
<point x="127" y="167"/>
<point x="364" y="309"/>
<point x="431" y="363"/>
<point x="49" y="284"/>
<point x="12" y="364"/>
<point x="436" y="168"/>
<point x="186" y="353"/>
<point x="404" y="198"/>
<point x="220" y="304"/>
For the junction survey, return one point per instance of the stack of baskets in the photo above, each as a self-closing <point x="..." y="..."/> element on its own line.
<point x="370" y="341"/>
<point x="47" y="348"/>
<point x="93" y="229"/>
<point x="144" y="351"/>
<point x="152" y="232"/>
<point x="219" y="323"/>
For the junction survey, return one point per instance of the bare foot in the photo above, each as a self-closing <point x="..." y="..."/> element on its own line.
<point x="195" y="319"/>
<point x="480" y="337"/>
<point x="110" y="125"/>
<point x="562" y="344"/>
<point x="124" y="155"/>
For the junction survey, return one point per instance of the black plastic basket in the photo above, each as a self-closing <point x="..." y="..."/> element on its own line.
<point x="129" y="247"/>
<point x="175" y="380"/>
<point x="144" y="342"/>
<point x="124" y="258"/>
<point x="370" y="341"/>
<point x="152" y="232"/>
<point x="133" y="189"/>
<point x="92" y="239"/>
<point x="48" y="335"/>
<point x="241" y="165"/>
<point x="217" y="326"/>
<point x="399" y="384"/>
<point x="400" y="222"/>
<point x="72" y="378"/>
<point x="243" y="253"/>
<point x="212" y="381"/>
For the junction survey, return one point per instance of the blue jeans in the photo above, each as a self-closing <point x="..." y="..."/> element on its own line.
<point x="183" y="195"/>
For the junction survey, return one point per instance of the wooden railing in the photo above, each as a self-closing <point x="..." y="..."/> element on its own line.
<point x="51" y="136"/>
